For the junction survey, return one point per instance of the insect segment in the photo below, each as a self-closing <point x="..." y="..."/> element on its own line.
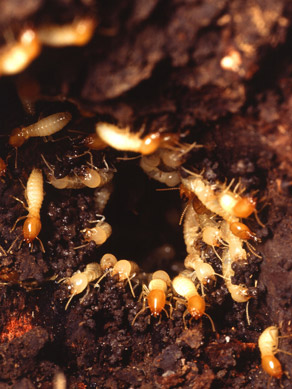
<point x="268" y="345"/>
<point x="123" y="139"/>
<point x="77" y="33"/>
<point x="34" y="195"/>
<point x="91" y="178"/>
<point x="234" y="252"/>
<point x="99" y="234"/>
<point x="156" y="294"/>
<point x="196" y="305"/>
<point x="93" y="142"/>
<point x="164" y="163"/>
<point x="207" y="195"/>
<point x="126" y="270"/>
<point x="79" y="281"/>
<point x="44" y="127"/>
<point x="17" y="55"/>
<point x="101" y="197"/>
<point x="28" y="90"/>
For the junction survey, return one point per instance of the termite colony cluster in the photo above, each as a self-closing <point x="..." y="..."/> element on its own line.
<point x="220" y="260"/>
<point x="216" y="239"/>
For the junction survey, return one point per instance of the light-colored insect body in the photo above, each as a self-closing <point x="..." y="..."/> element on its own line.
<point x="44" y="127"/>
<point x="77" y="33"/>
<point x="207" y="195"/>
<point x="156" y="295"/>
<point x="80" y="280"/>
<point x="123" y="139"/>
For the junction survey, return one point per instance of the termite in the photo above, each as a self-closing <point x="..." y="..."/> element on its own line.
<point x="98" y="234"/>
<point x="79" y="281"/>
<point x="204" y="271"/>
<point x="91" y="178"/>
<point x="155" y="294"/>
<point x="101" y="196"/>
<point x="234" y="204"/>
<point x="268" y="345"/>
<point x="93" y="142"/>
<point x="126" y="270"/>
<point x="44" y="127"/>
<point x="34" y="195"/>
<point x="77" y="33"/>
<point x="207" y="195"/>
<point x="16" y="56"/>
<point x="123" y="139"/>
<point x="196" y="305"/>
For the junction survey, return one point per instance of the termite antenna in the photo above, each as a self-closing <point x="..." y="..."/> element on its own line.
<point x="48" y="165"/>
<point x="211" y="321"/>
<point x="12" y="244"/>
<point x="247" y="314"/>
<point x="183" y="214"/>
<point x="3" y="251"/>
<point x="41" y="244"/>
<point x="141" y="311"/>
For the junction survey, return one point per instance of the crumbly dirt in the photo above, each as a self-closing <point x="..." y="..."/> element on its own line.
<point x="158" y="65"/>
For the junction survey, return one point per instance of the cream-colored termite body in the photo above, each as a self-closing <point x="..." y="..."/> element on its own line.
<point x="80" y="280"/>
<point x="123" y="139"/>
<point x="99" y="234"/>
<point x="268" y="345"/>
<point x="77" y="33"/>
<point x="16" y="56"/>
<point x="34" y="194"/>
<point x="44" y="127"/>
<point x="125" y="270"/>
<point x="92" y="178"/>
<point x="206" y="194"/>
<point x="150" y="163"/>
<point x="204" y="272"/>
<point x="185" y="287"/>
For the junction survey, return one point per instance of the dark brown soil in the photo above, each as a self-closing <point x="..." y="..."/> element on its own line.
<point x="155" y="64"/>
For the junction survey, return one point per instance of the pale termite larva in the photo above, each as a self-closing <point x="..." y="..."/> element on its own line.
<point x="126" y="270"/>
<point x="191" y="229"/>
<point x="204" y="271"/>
<point x="91" y="178"/>
<point x="44" y="127"/>
<point x="77" y="33"/>
<point x="239" y="293"/>
<point x="16" y="56"/>
<point x="79" y="281"/>
<point x="155" y="294"/>
<point x="99" y="234"/>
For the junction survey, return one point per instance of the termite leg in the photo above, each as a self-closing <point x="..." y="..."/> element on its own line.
<point x="41" y="244"/>
<point x="14" y="225"/>
<point x="3" y="251"/>
<point x="143" y="309"/>
<point x="13" y="243"/>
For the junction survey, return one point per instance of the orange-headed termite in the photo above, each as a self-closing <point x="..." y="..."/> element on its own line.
<point x="44" y="127"/>
<point x="155" y="294"/>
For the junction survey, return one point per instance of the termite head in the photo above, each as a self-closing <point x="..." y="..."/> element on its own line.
<point x="196" y="306"/>
<point x="242" y="231"/>
<point x="150" y="143"/>
<point x="77" y="283"/>
<point x="244" y="207"/>
<point x="31" y="228"/>
<point x="16" y="138"/>
<point x="272" y="366"/>
<point x="156" y="301"/>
